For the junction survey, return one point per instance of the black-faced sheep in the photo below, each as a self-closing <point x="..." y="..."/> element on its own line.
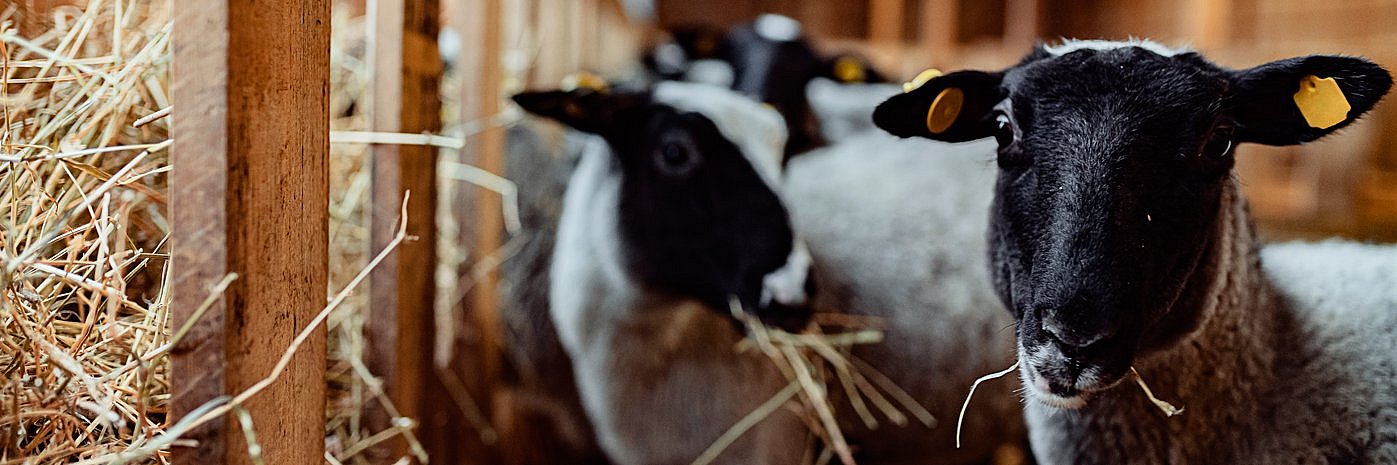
<point x="669" y="213"/>
<point x="1119" y="239"/>
<point x="767" y="59"/>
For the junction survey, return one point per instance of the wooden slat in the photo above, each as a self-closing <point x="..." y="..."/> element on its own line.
<point x="885" y="21"/>
<point x="939" y="32"/>
<point x="249" y="196"/>
<point x="481" y="23"/>
<point x="406" y="98"/>
<point x="1206" y="23"/>
<point x="1021" y="26"/>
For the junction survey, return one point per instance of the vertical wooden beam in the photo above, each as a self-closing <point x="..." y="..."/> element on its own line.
<point x="1021" y="28"/>
<point x="1206" y="23"/>
<point x="551" y="31"/>
<point x="885" y="21"/>
<point x="250" y="196"/>
<point x="588" y="34"/>
<point x="406" y="97"/>
<point x="481" y="23"/>
<point x="939" y="32"/>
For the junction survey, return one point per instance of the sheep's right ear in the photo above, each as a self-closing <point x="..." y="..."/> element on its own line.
<point x="1301" y="99"/>
<point x="584" y="109"/>
<point x="953" y="108"/>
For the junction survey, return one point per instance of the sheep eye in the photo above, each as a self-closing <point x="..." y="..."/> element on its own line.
<point x="1219" y="143"/>
<point x="1003" y="130"/>
<point x="676" y="157"/>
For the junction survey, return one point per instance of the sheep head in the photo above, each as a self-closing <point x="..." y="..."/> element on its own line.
<point x="698" y="214"/>
<point x="1113" y="158"/>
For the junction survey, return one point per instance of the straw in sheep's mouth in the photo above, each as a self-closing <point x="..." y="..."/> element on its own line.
<point x="1057" y="401"/>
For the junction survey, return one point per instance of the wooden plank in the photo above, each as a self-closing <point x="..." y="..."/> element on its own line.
<point x="405" y="97"/>
<point x="587" y="35"/>
<point x="940" y="19"/>
<point x="1206" y="23"/>
<point x="480" y="94"/>
<point x="250" y="196"/>
<point x="1021" y="25"/>
<point x="885" y="21"/>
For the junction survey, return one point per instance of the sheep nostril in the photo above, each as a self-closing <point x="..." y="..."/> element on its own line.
<point x="1073" y="340"/>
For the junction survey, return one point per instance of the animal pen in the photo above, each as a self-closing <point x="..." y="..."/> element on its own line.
<point x="184" y="181"/>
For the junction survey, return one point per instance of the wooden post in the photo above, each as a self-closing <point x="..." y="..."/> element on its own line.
<point x="481" y="23"/>
<point x="405" y="97"/>
<point x="939" y="28"/>
<point x="250" y="196"/>
<point x="1021" y="29"/>
<point x="885" y="22"/>
<point x="1206" y="23"/>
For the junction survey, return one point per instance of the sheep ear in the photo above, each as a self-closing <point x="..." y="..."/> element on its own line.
<point x="584" y="109"/>
<point x="1298" y="100"/>
<point x="954" y="108"/>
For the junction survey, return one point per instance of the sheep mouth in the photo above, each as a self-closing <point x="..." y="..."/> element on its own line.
<point x="1069" y="395"/>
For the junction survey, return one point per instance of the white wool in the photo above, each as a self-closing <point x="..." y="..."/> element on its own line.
<point x="757" y="130"/>
<point x="1072" y="45"/>
<point x="712" y="72"/>
<point x="587" y="255"/>
<point x="777" y="28"/>
<point x="786" y="285"/>
<point x="670" y="58"/>
<point x="844" y="110"/>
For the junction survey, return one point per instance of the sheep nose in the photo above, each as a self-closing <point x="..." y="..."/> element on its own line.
<point x="1069" y="335"/>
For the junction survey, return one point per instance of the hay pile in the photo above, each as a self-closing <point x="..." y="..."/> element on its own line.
<point x="84" y="326"/>
<point x="82" y="310"/>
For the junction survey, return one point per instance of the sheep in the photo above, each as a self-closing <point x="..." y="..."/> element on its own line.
<point x="669" y="213"/>
<point x="1120" y="241"/>
<point x="897" y="235"/>
<point x="767" y="59"/>
<point x="540" y="160"/>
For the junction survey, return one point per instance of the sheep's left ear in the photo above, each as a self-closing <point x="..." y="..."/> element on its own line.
<point x="584" y="109"/>
<point x="1298" y="100"/>
<point x="953" y="108"/>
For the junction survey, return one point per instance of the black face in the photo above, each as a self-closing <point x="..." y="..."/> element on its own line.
<point x="696" y="218"/>
<point x="774" y="70"/>
<point x="1112" y="166"/>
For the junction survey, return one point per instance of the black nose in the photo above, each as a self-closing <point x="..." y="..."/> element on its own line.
<point x="1072" y="334"/>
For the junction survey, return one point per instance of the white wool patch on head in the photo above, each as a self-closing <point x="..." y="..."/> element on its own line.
<point x="1072" y="45"/>
<point x="777" y="28"/>
<point x="712" y="72"/>
<point x="757" y="130"/>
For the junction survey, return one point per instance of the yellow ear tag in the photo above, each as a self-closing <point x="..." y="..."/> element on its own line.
<point x="1322" y="102"/>
<point x="583" y="80"/>
<point x="922" y="78"/>
<point x="944" y="110"/>
<point x="848" y="69"/>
